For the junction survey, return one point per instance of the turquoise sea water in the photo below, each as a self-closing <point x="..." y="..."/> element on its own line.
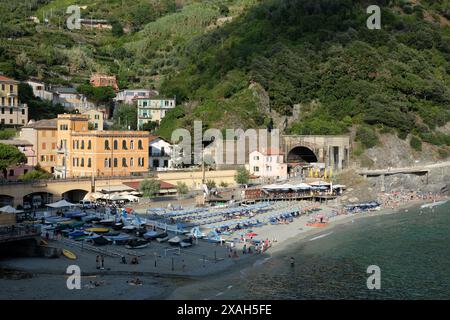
<point x="412" y="249"/>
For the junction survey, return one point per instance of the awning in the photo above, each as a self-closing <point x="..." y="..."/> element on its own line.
<point x="115" y="188"/>
<point x="61" y="204"/>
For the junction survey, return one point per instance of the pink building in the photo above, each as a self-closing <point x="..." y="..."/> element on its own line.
<point x="12" y="173"/>
<point x="268" y="165"/>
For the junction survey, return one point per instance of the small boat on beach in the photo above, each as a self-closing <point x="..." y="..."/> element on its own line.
<point x="117" y="226"/>
<point x="101" y="241"/>
<point x="98" y="230"/>
<point x="163" y="239"/>
<point x="107" y="222"/>
<point x="76" y="233"/>
<point x="154" y="235"/>
<point x="150" y="235"/>
<point x="175" y="241"/>
<point x="121" y="239"/>
<point x="69" y="254"/>
<point x="141" y="231"/>
<point x="129" y="228"/>
<point x="137" y="244"/>
<point x="186" y="242"/>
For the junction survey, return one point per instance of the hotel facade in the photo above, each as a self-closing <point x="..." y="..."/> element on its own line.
<point x="82" y="152"/>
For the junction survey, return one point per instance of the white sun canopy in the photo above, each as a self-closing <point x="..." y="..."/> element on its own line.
<point x="61" y="204"/>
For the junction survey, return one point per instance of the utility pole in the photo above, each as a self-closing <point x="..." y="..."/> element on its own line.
<point x="203" y="167"/>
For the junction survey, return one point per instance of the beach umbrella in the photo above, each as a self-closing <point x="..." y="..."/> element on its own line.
<point x="61" y="204"/>
<point x="251" y="234"/>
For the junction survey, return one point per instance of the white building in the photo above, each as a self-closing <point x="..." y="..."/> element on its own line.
<point x="130" y="96"/>
<point x="268" y="165"/>
<point x="153" y="110"/>
<point x="71" y="99"/>
<point x="41" y="90"/>
<point x="160" y="153"/>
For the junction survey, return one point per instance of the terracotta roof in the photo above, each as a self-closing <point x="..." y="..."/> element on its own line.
<point x="42" y="124"/>
<point x="163" y="185"/>
<point x="3" y="78"/>
<point x="271" y="152"/>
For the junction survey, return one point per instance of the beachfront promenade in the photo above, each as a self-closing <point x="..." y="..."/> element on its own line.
<point x="405" y="170"/>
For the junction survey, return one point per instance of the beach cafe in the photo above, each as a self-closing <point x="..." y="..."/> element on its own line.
<point x="317" y="190"/>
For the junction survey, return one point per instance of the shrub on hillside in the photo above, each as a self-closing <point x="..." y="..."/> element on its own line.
<point x="415" y="143"/>
<point x="367" y="136"/>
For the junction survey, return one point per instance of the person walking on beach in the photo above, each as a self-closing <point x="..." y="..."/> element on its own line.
<point x="244" y="249"/>
<point x="97" y="262"/>
<point x="103" y="262"/>
<point x="292" y="262"/>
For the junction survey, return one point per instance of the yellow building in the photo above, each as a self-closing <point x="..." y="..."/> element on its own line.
<point x="96" y="118"/>
<point x="42" y="135"/>
<point x="83" y="152"/>
<point x="12" y="112"/>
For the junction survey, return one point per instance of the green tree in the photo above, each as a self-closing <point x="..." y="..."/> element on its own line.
<point x="150" y="187"/>
<point x="9" y="156"/>
<point x="36" y="174"/>
<point x="117" y="28"/>
<point x="224" y="11"/>
<point x="125" y="116"/>
<point x="103" y="95"/>
<point x="37" y="108"/>
<point x="211" y="184"/>
<point x="150" y="126"/>
<point x="7" y="134"/>
<point x="98" y="95"/>
<point x="223" y="184"/>
<point x="367" y="136"/>
<point x="242" y="176"/>
<point x="182" y="188"/>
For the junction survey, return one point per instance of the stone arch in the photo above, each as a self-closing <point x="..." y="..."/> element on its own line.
<point x="301" y="154"/>
<point x="38" y="199"/>
<point x="6" y="199"/>
<point x="74" y="195"/>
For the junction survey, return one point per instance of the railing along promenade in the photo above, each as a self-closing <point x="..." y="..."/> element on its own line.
<point x="18" y="232"/>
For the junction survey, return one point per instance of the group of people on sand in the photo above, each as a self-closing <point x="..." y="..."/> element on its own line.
<point x="397" y="198"/>
<point x="257" y="247"/>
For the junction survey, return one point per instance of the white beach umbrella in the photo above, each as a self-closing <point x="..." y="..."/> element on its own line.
<point x="61" y="204"/>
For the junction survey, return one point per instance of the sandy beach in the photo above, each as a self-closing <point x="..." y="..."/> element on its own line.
<point x="160" y="271"/>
